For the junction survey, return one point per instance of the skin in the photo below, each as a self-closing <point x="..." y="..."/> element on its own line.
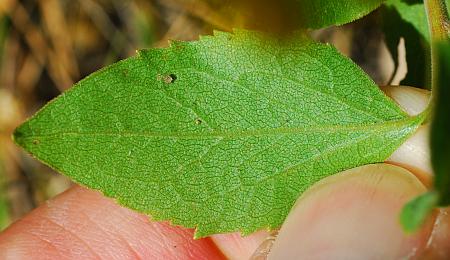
<point x="347" y="215"/>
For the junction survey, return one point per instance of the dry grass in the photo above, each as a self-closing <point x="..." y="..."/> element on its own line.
<point x="45" y="47"/>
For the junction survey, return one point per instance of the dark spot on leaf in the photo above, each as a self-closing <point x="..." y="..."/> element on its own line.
<point x="198" y="121"/>
<point x="172" y="77"/>
<point x="125" y="72"/>
<point x="168" y="79"/>
<point x="36" y="142"/>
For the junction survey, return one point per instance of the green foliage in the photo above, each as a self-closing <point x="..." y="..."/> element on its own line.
<point x="285" y="16"/>
<point x="447" y="3"/>
<point x="322" y="13"/>
<point x="413" y="13"/>
<point x="416" y="211"/>
<point x="4" y="205"/>
<point x="440" y="128"/>
<point x="222" y="134"/>
<point x="401" y="19"/>
<point x="4" y="27"/>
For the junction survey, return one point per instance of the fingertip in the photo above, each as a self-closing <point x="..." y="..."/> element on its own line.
<point x="412" y="100"/>
<point x="236" y="246"/>
<point x="414" y="153"/>
<point x="353" y="215"/>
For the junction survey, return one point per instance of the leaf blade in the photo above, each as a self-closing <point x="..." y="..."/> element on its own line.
<point x="322" y="13"/>
<point x="412" y="13"/>
<point x="222" y="134"/>
<point x="408" y="21"/>
<point x="416" y="211"/>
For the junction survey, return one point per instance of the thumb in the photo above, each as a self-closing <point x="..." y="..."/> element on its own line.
<point x="354" y="214"/>
<point x="414" y="154"/>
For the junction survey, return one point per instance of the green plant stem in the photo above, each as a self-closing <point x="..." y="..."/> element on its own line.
<point x="438" y="24"/>
<point x="438" y="21"/>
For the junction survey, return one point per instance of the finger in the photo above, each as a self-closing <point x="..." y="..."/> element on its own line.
<point x="353" y="215"/>
<point x="82" y="224"/>
<point x="412" y="100"/>
<point x="232" y="245"/>
<point x="414" y="154"/>
<point x="236" y="246"/>
<point x="439" y="242"/>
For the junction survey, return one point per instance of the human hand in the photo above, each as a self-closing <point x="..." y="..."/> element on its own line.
<point x="350" y="215"/>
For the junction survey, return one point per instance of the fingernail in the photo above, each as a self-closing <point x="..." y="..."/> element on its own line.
<point x="439" y="242"/>
<point x="236" y="246"/>
<point x="264" y="248"/>
<point x="414" y="155"/>
<point x="353" y="215"/>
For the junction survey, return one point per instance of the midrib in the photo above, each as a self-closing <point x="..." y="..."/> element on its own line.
<point x="408" y="121"/>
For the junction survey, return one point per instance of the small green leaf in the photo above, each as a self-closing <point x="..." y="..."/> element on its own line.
<point x="4" y="205"/>
<point x="447" y="3"/>
<point x="408" y="21"/>
<point x="440" y="127"/>
<point x="288" y="15"/>
<point x="413" y="13"/>
<point x="316" y="14"/>
<point x="416" y="211"/>
<point x="222" y="134"/>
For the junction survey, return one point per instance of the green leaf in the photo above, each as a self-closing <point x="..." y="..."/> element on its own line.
<point x="284" y="16"/>
<point x="4" y="205"/>
<point x="440" y="126"/>
<point x="447" y="3"/>
<point x="416" y="211"/>
<point x="4" y="29"/>
<point x="408" y="21"/>
<point x="222" y="134"/>
<point x="413" y="13"/>
<point x="316" y="14"/>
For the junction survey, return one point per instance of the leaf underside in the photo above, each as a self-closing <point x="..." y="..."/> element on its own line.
<point x="322" y="13"/>
<point x="412" y="13"/>
<point x="402" y="19"/>
<point x="416" y="211"/>
<point x="222" y="134"/>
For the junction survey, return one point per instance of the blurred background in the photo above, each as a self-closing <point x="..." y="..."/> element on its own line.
<point x="48" y="45"/>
